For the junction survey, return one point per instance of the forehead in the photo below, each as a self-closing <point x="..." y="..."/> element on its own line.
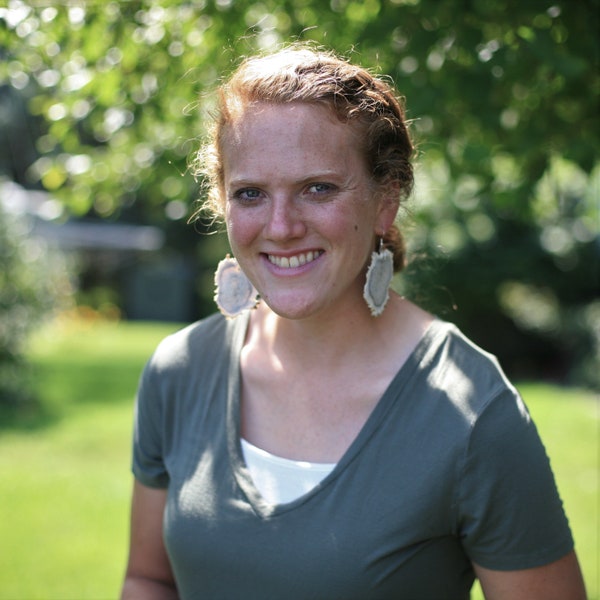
<point x="269" y="117"/>
<point x="304" y="133"/>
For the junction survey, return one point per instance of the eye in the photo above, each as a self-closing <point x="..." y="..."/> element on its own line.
<point x="247" y="195"/>
<point x="320" y="189"/>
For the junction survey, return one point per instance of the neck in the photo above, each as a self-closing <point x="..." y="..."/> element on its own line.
<point x="325" y="340"/>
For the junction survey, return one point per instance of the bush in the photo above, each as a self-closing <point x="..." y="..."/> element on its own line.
<point x="524" y="289"/>
<point x="34" y="283"/>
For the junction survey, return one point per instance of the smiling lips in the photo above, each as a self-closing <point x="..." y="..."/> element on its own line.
<point x="291" y="262"/>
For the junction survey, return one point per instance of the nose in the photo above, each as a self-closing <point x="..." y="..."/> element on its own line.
<point x="285" y="220"/>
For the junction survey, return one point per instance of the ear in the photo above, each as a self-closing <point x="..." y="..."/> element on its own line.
<point x="389" y="202"/>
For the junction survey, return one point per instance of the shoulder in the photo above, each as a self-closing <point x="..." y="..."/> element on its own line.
<point x="451" y="345"/>
<point x="460" y="371"/>
<point x="202" y="340"/>
<point x="197" y="357"/>
<point x="197" y="353"/>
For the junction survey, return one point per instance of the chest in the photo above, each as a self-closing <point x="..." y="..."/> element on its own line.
<point x="311" y="414"/>
<point x="377" y="527"/>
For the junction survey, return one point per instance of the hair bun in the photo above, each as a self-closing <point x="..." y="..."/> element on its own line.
<point x="393" y="240"/>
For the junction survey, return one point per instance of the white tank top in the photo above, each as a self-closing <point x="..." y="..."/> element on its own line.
<point x="281" y="480"/>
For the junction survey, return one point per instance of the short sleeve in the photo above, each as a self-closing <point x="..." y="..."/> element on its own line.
<point x="148" y="464"/>
<point x="511" y="515"/>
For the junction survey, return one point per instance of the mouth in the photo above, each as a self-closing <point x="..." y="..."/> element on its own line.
<point x="297" y="260"/>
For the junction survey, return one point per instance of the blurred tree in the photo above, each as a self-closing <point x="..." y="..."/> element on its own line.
<point x="503" y="96"/>
<point x="34" y="282"/>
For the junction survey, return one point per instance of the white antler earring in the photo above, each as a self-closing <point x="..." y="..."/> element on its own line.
<point x="234" y="292"/>
<point x="379" y="276"/>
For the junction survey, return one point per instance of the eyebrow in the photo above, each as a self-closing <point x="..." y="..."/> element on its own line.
<point x="316" y="176"/>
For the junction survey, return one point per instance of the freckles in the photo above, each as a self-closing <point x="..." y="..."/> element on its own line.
<point x="242" y="229"/>
<point x="236" y="230"/>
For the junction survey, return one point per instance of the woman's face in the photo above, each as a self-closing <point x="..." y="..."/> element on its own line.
<point x="300" y="208"/>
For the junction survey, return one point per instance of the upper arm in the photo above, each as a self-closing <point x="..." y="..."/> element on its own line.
<point x="148" y="558"/>
<point x="559" y="580"/>
<point x="510" y="515"/>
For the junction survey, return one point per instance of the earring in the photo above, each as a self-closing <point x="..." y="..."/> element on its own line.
<point x="233" y="291"/>
<point x="379" y="276"/>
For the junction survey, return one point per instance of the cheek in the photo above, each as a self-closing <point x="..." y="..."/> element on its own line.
<point x="240" y="230"/>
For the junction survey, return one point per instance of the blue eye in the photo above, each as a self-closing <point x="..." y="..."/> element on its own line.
<point x="320" y="188"/>
<point x="247" y="195"/>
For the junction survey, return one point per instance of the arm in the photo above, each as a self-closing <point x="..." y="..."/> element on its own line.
<point x="560" y="580"/>
<point x="148" y="574"/>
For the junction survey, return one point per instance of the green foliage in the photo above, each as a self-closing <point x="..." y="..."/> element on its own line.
<point x="33" y="281"/>
<point x="66" y="483"/>
<point x="118" y="83"/>
<point x="502" y="95"/>
<point x="528" y="290"/>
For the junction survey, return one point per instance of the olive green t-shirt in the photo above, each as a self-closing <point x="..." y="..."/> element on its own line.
<point x="448" y="469"/>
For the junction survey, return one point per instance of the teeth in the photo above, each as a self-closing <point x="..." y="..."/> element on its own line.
<point x="293" y="261"/>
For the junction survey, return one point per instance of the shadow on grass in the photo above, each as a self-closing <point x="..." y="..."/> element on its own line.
<point x="59" y="386"/>
<point x="21" y="407"/>
<point x="28" y="414"/>
<point x="74" y="363"/>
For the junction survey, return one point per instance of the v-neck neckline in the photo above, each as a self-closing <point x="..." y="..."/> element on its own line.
<point x="233" y="422"/>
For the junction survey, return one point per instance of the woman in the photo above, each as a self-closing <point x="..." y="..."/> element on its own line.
<point x="327" y="438"/>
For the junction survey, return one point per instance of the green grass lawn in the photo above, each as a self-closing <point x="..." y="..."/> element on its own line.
<point x="64" y="472"/>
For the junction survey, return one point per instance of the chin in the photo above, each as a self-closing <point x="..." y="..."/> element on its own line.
<point x="293" y="314"/>
<point x="293" y="309"/>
